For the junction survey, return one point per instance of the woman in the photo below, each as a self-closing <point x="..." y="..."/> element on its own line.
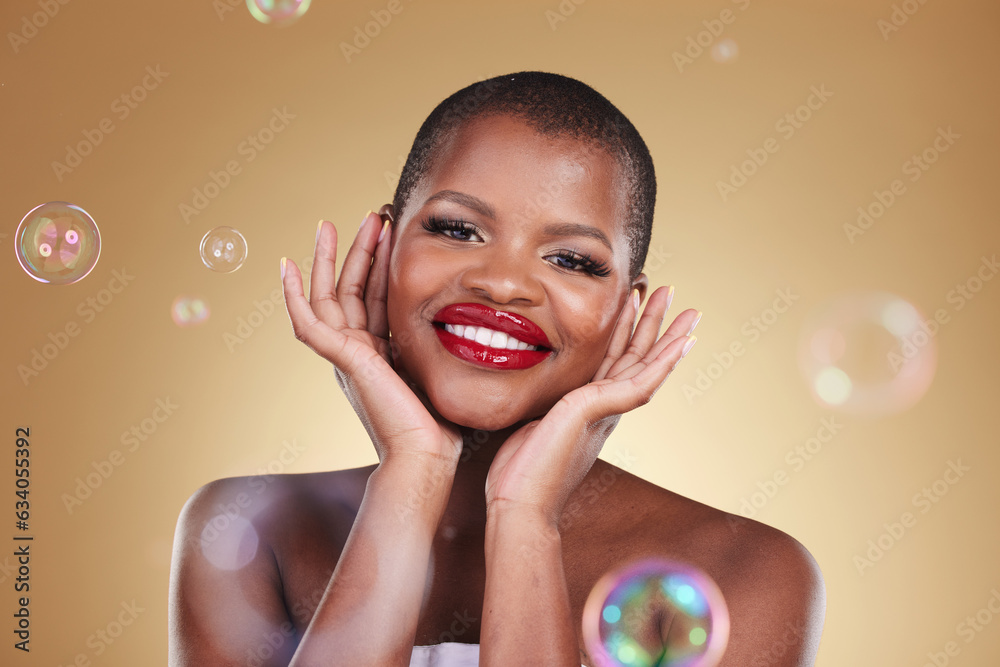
<point x="508" y="272"/>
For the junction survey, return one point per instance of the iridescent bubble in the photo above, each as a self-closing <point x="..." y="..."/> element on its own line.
<point x="57" y="243"/>
<point x="725" y="51"/>
<point x="277" y="12"/>
<point x="187" y="311"/>
<point x="656" y="612"/>
<point x="868" y="353"/>
<point x="223" y="249"/>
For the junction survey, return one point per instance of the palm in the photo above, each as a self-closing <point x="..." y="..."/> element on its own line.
<point x="543" y="461"/>
<point x="348" y="327"/>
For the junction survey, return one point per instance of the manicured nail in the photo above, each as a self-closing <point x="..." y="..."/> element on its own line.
<point x="695" y="323"/>
<point x="670" y="296"/>
<point x="635" y="300"/>
<point x="688" y="345"/>
<point x="283" y="261"/>
<point x="364" y="220"/>
<point x="319" y="228"/>
<point x="385" y="227"/>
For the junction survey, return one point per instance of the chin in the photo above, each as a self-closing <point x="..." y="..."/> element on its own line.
<point x="477" y="414"/>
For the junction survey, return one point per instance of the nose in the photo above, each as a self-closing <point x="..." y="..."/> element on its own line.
<point x="507" y="277"/>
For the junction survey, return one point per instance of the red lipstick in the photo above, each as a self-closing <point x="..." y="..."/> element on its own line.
<point x="478" y="315"/>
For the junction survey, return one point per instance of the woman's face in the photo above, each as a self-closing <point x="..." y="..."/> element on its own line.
<point x="515" y="232"/>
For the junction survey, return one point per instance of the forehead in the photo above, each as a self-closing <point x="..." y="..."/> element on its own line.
<point x="503" y="157"/>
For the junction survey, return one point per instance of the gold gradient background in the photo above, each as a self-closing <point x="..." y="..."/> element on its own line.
<point x="353" y="124"/>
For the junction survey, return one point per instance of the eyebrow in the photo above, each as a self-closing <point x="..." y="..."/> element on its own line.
<point x="559" y="229"/>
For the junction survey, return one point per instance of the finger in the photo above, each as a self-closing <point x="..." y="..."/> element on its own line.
<point x="354" y="273"/>
<point x="620" y="337"/>
<point x="646" y="331"/>
<point x="300" y="312"/>
<point x="376" y="294"/>
<point x="682" y="327"/>
<point x="321" y="282"/>
<point x="618" y="396"/>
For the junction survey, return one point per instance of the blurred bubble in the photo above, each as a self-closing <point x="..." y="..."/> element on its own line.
<point x="188" y="311"/>
<point x="278" y="12"/>
<point x="57" y="243"/>
<point x="229" y="541"/>
<point x="868" y="353"/>
<point x="223" y="249"/>
<point x="725" y="51"/>
<point x="628" y="609"/>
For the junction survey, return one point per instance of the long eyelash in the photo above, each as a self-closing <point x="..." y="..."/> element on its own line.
<point x="586" y="263"/>
<point x="435" y="224"/>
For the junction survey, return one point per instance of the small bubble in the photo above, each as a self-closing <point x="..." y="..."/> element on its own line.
<point x="187" y="311"/>
<point x="725" y="51"/>
<point x="58" y="243"/>
<point x="223" y="249"/>
<point x="278" y="12"/>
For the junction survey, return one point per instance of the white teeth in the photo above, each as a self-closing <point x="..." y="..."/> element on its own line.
<point x="488" y="337"/>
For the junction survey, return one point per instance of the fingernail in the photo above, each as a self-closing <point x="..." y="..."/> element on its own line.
<point x="283" y="261"/>
<point x="364" y="220"/>
<point x="670" y="296"/>
<point x="385" y="227"/>
<point x="695" y="323"/>
<point x="635" y="300"/>
<point x="688" y="345"/>
<point x="319" y="228"/>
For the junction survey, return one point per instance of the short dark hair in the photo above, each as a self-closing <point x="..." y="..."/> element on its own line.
<point x="555" y="106"/>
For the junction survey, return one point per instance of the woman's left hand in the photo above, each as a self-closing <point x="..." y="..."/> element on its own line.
<point x="540" y="464"/>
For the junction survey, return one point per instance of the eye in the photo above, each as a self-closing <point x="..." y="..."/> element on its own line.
<point x="582" y="263"/>
<point x="460" y="230"/>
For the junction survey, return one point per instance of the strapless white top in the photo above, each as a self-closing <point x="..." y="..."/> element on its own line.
<point x="448" y="654"/>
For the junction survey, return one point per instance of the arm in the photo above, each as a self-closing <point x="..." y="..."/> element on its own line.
<point x="526" y="611"/>
<point x="380" y="578"/>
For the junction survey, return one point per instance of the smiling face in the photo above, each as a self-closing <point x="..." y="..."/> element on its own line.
<point x="515" y="232"/>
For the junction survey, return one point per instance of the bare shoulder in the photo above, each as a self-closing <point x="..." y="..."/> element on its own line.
<point x="234" y="582"/>
<point x="772" y="584"/>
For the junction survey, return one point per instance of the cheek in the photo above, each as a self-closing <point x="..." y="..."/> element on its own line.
<point x="593" y="318"/>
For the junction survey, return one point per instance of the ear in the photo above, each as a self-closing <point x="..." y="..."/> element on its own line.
<point x="641" y="283"/>
<point x="387" y="213"/>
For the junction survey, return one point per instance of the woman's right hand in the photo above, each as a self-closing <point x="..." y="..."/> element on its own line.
<point x="345" y="322"/>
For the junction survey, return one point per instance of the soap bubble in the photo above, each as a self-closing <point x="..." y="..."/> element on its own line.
<point x="627" y="610"/>
<point x="725" y="51"/>
<point x="868" y="353"/>
<point x="57" y="243"/>
<point x="223" y="249"/>
<point x="278" y="12"/>
<point x="187" y="311"/>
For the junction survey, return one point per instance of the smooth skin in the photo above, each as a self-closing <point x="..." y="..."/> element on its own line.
<point x="489" y="517"/>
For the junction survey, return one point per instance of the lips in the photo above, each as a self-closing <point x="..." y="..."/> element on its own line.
<point x="483" y="317"/>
